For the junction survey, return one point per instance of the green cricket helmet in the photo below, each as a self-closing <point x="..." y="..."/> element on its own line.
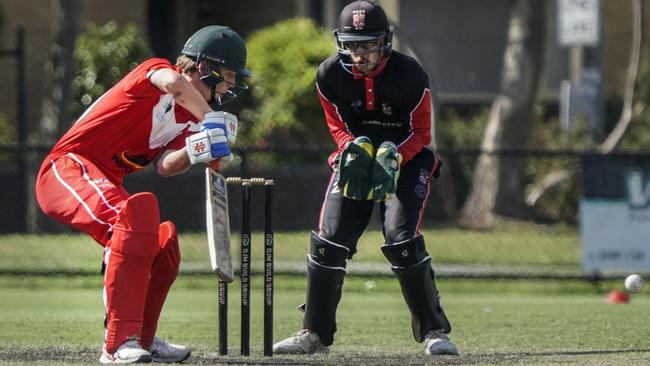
<point x="219" y="46"/>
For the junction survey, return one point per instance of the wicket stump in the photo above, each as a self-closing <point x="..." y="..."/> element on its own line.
<point x="245" y="269"/>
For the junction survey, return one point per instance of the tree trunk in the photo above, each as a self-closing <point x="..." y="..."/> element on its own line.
<point x="498" y="183"/>
<point x="59" y="70"/>
<point x="627" y="114"/>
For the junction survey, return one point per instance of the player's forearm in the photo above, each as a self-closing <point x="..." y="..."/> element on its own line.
<point x="173" y="163"/>
<point x="189" y="98"/>
<point x="184" y="93"/>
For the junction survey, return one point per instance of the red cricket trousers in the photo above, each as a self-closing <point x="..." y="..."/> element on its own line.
<point x="141" y="257"/>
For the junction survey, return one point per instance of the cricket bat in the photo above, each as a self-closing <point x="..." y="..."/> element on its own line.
<point x="218" y="224"/>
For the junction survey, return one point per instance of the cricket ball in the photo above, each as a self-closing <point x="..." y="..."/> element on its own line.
<point x="634" y="283"/>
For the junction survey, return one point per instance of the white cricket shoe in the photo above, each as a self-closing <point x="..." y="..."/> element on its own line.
<point x="301" y="342"/>
<point x="129" y="352"/>
<point x="163" y="351"/>
<point x="437" y="343"/>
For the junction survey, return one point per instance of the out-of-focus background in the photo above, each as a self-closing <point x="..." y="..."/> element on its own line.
<point x="541" y="122"/>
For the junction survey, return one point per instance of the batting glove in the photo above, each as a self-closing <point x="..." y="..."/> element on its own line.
<point x="212" y="142"/>
<point x="224" y="120"/>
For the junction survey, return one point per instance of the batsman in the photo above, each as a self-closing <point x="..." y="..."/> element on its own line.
<point x="377" y="105"/>
<point x="157" y="111"/>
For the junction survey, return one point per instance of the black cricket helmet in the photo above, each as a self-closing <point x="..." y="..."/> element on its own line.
<point x="363" y="28"/>
<point x="219" y="46"/>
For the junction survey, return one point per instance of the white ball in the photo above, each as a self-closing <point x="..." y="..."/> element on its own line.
<point x="634" y="283"/>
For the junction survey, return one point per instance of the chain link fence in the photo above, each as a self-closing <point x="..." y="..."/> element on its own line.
<point x="544" y="243"/>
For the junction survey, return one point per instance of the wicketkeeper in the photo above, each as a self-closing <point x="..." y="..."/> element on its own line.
<point x="158" y="110"/>
<point x="377" y="107"/>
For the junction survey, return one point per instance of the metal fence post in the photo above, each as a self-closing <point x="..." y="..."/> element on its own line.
<point x="22" y="128"/>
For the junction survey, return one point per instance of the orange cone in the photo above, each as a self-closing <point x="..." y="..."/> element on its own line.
<point x="617" y="297"/>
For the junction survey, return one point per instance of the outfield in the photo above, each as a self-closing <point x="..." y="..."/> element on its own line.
<point x="56" y="319"/>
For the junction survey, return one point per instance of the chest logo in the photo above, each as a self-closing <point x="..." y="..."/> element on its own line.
<point x="387" y="109"/>
<point x="356" y="105"/>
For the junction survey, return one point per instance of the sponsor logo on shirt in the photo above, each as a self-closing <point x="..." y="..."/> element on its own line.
<point x="374" y="122"/>
<point x="131" y="163"/>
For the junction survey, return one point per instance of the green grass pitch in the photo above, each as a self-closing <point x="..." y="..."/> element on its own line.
<point x="58" y="320"/>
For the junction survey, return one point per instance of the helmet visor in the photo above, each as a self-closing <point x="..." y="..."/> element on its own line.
<point x="358" y="37"/>
<point x="211" y="77"/>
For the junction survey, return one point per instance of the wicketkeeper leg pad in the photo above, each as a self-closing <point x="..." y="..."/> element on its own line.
<point x="327" y="252"/>
<point x="325" y="275"/>
<point x="133" y="247"/>
<point x="163" y="275"/>
<point x="412" y="267"/>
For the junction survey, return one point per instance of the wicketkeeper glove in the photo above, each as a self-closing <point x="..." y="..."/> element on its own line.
<point x="385" y="172"/>
<point x="354" y="168"/>
<point x="217" y="129"/>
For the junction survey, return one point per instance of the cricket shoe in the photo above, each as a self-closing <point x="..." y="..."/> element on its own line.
<point x="129" y="352"/>
<point x="163" y="351"/>
<point x="301" y="342"/>
<point x="437" y="343"/>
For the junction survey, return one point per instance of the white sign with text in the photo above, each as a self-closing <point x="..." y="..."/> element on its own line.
<point x="616" y="227"/>
<point x="578" y="22"/>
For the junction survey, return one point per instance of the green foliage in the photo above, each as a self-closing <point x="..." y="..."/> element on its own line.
<point x="103" y="55"/>
<point x="460" y="130"/>
<point x="7" y="130"/>
<point x="285" y="109"/>
<point x="456" y="131"/>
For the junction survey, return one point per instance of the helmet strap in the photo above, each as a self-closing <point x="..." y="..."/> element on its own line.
<point x="208" y="77"/>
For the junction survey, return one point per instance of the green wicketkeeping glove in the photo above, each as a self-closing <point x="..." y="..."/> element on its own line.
<point x="385" y="172"/>
<point x="354" y="168"/>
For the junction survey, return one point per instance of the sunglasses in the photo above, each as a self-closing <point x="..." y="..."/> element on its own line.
<point x="364" y="45"/>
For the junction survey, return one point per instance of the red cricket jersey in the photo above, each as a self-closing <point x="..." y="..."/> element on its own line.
<point x="128" y="126"/>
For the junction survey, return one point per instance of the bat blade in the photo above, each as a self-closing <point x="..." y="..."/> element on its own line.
<point x="218" y="224"/>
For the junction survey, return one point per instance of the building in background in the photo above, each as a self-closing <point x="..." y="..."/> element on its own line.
<point x="460" y="42"/>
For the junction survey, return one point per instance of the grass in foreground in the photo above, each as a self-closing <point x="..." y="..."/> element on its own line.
<point x="44" y="319"/>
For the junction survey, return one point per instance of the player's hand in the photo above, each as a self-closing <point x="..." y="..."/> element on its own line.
<point x="218" y="164"/>
<point x="354" y="168"/>
<point x="385" y="172"/>
<point x="224" y="120"/>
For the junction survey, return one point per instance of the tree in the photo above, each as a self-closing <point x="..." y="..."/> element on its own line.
<point x="628" y="113"/>
<point x="104" y="54"/>
<point x="285" y="109"/>
<point x="59" y="70"/>
<point x="498" y="182"/>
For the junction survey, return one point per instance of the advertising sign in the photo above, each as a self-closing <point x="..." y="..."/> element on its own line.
<point x="615" y="213"/>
